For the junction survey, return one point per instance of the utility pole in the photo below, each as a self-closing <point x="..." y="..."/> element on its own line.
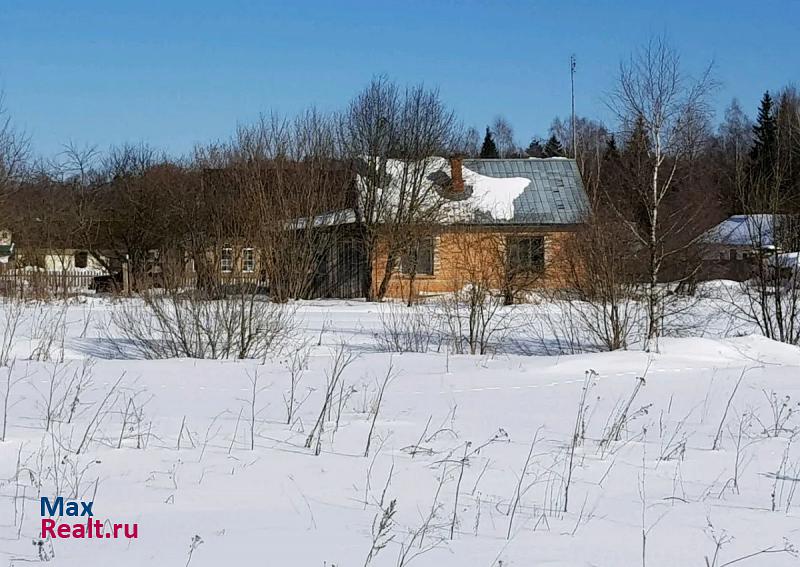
<point x="572" y="85"/>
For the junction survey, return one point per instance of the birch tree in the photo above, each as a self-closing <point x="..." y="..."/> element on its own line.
<point x="653" y="90"/>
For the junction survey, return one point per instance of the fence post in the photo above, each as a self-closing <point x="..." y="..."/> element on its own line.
<point x="126" y="279"/>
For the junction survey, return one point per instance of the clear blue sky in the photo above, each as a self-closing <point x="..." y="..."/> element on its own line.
<point x="176" y="72"/>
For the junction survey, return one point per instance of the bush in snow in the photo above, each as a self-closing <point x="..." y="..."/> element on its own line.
<point x="406" y="328"/>
<point x="178" y="324"/>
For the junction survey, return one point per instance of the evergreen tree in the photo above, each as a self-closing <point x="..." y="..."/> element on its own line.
<point x="489" y="148"/>
<point x="553" y="148"/>
<point x="611" y="152"/>
<point x="765" y="143"/>
<point x="637" y="146"/>
<point x="635" y="173"/>
<point x="608" y="186"/>
<point x="535" y="149"/>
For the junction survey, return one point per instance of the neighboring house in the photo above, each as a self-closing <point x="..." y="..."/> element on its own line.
<point x="503" y="220"/>
<point x="6" y="248"/>
<point x="61" y="260"/>
<point x="46" y="271"/>
<point x="731" y="247"/>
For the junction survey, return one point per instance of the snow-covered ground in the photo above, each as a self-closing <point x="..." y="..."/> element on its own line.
<point x="477" y="445"/>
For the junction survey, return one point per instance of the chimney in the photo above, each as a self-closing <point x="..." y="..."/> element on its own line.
<point x="456" y="175"/>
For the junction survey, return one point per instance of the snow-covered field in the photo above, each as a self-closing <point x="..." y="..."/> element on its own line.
<point x="474" y="460"/>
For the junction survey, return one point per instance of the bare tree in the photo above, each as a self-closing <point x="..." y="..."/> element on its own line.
<point x="289" y="174"/>
<point x="14" y="148"/>
<point x="393" y="135"/>
<point x="476" y="317"/>
<point x="770" y="298"/>
<point x="79" y="178"/>
<point x="592" y="137"/>
<point x="135" y="212"/>
<point x="654" y="94"/>
<point x="504" y="138"/>
<point x="471" y="143"/>
<point x="601" y="266"/>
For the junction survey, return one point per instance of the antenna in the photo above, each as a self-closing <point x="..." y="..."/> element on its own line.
<point x="572" y="63"/>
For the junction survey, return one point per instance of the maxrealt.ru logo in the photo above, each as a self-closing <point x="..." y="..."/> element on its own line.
<point x="54" y="512"/>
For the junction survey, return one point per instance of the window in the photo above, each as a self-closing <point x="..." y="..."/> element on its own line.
<point x="419" y="258"/>
<point x="81" y="259"/>
<point x="248" y="260"/>
<point x="526" y="253"/>
<point x="226" y="260"/>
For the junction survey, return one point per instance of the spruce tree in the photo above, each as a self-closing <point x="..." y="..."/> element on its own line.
<point x="553" y="148"/>
<point x="638" y="143"/>
<point x="609" y="190"/>
<point x="611" y="151"/>
<point x="635" y="166"/>
<point x="489" y="148"/>
<point x="535" y="149"/>
<point x="765" y="143"/>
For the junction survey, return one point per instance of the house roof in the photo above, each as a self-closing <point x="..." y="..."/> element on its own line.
<point x="530" y="191"/>
<point x="547" y="191"/>
<point x="787" y="260"/>
<point x="753" y="231"/>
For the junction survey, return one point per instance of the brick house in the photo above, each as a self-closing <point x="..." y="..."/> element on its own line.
<point x="504" y="220"/>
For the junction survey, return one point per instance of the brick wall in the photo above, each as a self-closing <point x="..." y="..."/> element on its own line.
<point x="463" y="255"/>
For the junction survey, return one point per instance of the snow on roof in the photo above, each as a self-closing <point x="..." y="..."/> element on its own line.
<point x="787" y="260"/>
<point x="551" y="192"/>
<point x="523" y="191"/>
<point x="530" y="191"/>
<point x="340" y="217"/>
<point x="756" y="231"/>
<point x="495" y="195"/>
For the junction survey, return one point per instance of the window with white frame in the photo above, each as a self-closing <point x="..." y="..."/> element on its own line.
<point x="226" y="260"/>
<point x="248" y="260"/>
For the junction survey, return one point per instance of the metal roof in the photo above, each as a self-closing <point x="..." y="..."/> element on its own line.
<point x="555" y="194"/>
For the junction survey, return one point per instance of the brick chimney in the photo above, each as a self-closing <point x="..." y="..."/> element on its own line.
<point x="456" y="175"/>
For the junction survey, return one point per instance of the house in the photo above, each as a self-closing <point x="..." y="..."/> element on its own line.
<point x="731" y="247"/>
<point x="6" y="248"/>
<point x="503" y="221"/>
<point x="59" y="260"/>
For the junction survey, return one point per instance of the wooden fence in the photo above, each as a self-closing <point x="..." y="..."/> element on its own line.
<point x="340" y="277"/>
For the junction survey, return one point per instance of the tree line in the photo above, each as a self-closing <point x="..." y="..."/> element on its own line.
<point x="657" y="178"/>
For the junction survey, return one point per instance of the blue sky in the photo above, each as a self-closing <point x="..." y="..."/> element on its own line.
<point x="175" y="73"/>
